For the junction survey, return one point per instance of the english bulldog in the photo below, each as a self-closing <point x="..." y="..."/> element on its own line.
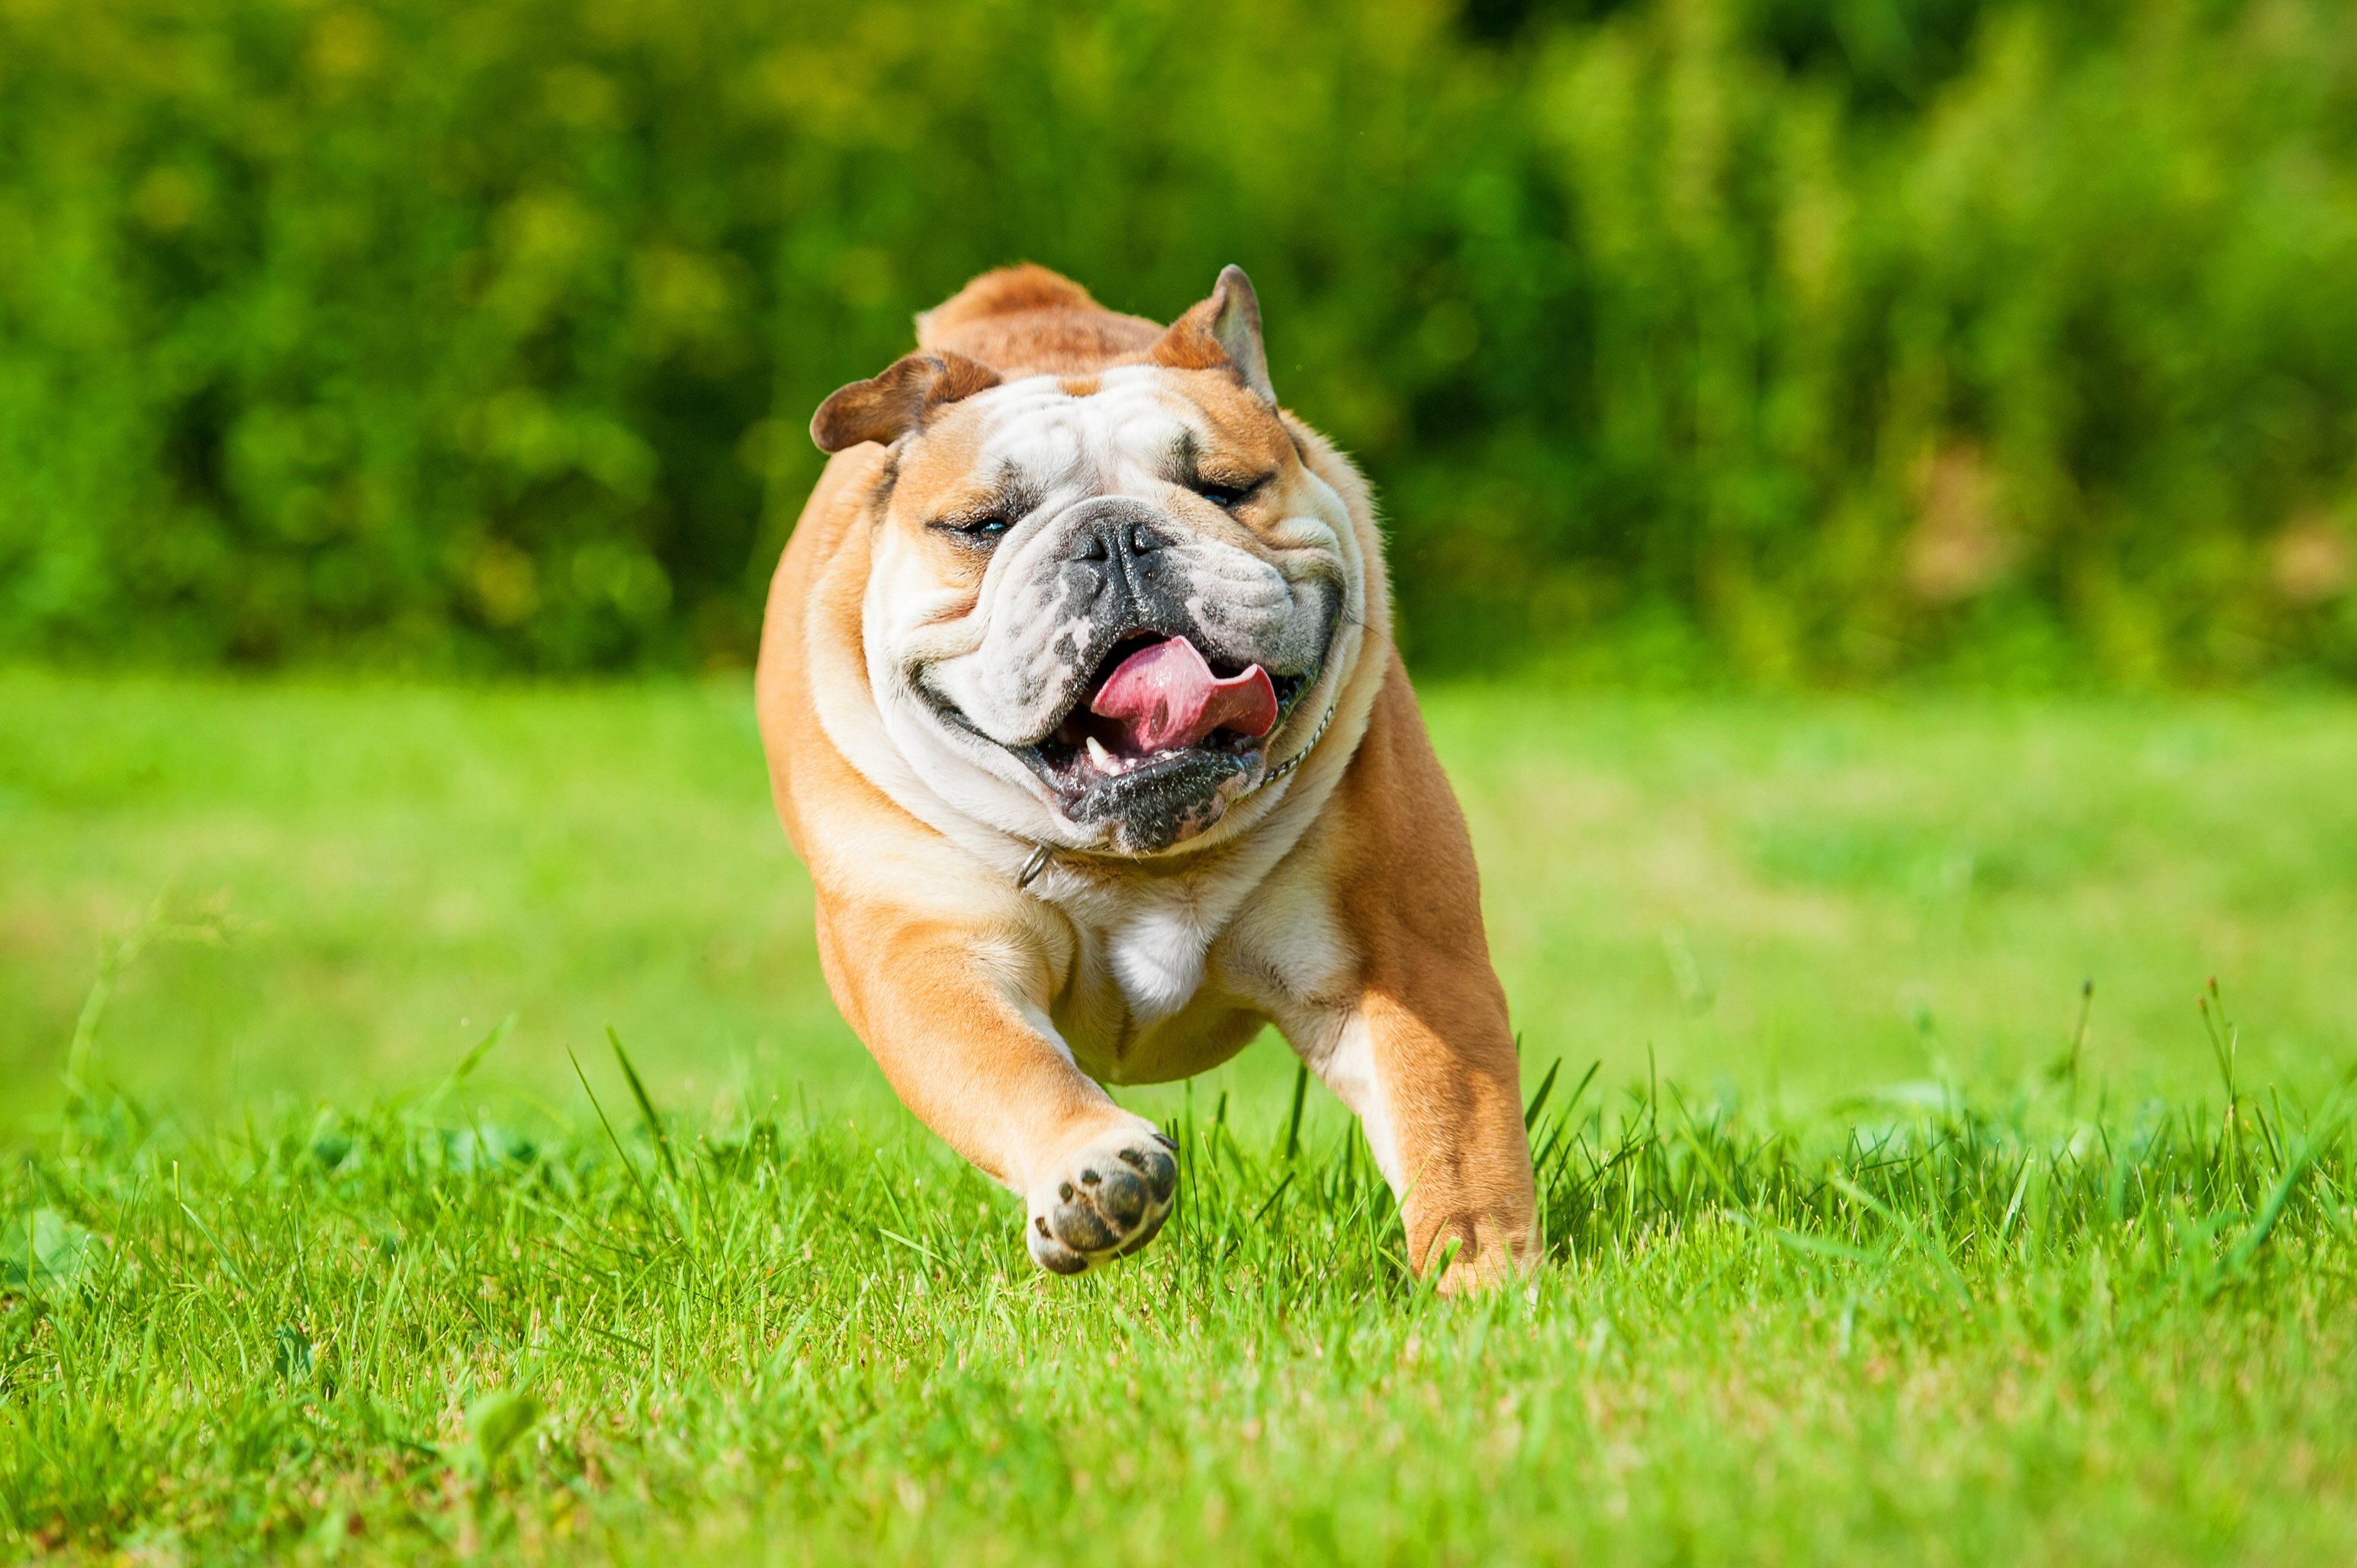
<point x="1081" y="704"/>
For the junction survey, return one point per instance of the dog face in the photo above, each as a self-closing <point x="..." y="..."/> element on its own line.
<point x="1101" y="606"/>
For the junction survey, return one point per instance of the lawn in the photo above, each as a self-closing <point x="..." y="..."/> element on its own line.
<point x="1870" y="1236"/>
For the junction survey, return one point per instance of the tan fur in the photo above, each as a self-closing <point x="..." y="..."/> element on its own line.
<point x="1025" y="320"/>
<point x="1346" y="906"/>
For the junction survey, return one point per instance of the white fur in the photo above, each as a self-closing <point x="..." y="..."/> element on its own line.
<point x="1343" y="1058"/>
<point x="1157" y="957"/>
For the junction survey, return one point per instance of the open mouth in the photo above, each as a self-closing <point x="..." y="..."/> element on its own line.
<point x="1157" y="720"/>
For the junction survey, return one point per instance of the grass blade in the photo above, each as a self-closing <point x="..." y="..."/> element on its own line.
<point x="646" y="1105"/>
<point x="646" y="1198"/>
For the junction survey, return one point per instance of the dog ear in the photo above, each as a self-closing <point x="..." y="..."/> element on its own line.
<point x="1220" y="333"/>
<point x="886" y="407"/>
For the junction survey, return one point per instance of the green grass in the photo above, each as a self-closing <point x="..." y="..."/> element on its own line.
<point x="1847" y="1260"/>
<point x="1792" y="898"/>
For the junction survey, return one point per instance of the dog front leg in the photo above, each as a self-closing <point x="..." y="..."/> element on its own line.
<point x="1430" y="1072"/>
<point x="956" y="1019"/>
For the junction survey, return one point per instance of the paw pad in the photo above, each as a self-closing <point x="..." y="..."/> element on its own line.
<point x="1125" y="1184"/>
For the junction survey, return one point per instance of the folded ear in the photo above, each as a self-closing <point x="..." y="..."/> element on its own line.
<point x="1220" y="333"/>
<point x="886" y="407"/>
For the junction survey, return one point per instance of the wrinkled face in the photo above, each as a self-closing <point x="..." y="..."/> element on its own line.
<point x="1099" y="606"/>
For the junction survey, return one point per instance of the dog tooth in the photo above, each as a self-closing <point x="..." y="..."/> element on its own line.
<point x="1100" y="758"/>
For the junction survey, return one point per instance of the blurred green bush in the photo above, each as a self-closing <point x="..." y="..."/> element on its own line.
<point x="1807" y="339"/>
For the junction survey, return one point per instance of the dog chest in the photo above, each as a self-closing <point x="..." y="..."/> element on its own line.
<point x="1135" y="1007"/>
<point x="1155" y="957"/>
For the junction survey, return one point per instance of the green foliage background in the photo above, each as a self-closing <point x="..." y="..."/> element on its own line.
<point x="1800" y="341"/>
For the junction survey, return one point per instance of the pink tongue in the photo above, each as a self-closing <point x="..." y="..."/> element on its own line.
<point x="1167" y="696"/>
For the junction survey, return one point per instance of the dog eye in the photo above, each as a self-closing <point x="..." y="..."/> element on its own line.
<point x="981" y="529"/>
<point x="1223" y="494"/>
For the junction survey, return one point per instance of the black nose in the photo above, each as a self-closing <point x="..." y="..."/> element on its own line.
<point x="1112" y="537"/>
<point x="1125" y="561"/>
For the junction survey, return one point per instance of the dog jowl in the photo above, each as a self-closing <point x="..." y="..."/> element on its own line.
<point x="1080" y="703"/>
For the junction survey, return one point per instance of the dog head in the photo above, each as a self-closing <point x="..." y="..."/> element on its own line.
<point x="1103" y="604"/>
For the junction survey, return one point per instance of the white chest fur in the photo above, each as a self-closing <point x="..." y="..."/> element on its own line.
<point x="1261" y="929"/>
<point x="1156" y="954"/>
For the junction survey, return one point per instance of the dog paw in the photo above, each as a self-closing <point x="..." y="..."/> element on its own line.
<point x="1107" y="1198"/>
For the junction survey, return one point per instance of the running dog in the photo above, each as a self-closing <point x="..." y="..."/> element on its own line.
<point x="1080" y="703"/>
